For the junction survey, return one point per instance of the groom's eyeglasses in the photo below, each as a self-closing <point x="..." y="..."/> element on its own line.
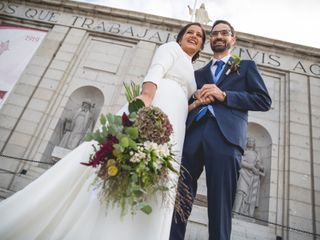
<point x="224" y="33"/>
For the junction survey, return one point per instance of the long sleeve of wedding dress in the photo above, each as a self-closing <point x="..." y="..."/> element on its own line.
<point x="62" y="204"/>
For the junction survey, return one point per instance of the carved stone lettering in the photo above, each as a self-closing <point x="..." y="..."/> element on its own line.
<point x="284" y="62"/>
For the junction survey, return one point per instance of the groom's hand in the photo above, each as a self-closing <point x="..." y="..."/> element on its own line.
<point x="212" y="92"/>
<point x="204" y="96"/>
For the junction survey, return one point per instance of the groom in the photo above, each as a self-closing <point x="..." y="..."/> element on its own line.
<point x="216" y="132"/>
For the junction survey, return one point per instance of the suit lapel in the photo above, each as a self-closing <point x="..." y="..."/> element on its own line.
<point x="208" y="75"/>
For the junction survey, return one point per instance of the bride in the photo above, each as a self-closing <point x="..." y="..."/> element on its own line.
<point x="61" y="205"/>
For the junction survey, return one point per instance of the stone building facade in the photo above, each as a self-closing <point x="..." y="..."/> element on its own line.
<point x="86" y="54"/>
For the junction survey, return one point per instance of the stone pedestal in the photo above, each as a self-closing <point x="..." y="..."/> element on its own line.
<point x="197" y="228"/>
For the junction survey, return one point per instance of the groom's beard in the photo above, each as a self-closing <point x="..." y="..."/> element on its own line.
<point x="220" y="47"/>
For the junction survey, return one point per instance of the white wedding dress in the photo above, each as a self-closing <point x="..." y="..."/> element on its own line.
<point x="61" y="205"/>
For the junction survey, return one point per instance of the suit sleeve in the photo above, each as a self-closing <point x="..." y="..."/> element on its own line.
<point x="162" y="61"/>
<point x="254" y="96"/>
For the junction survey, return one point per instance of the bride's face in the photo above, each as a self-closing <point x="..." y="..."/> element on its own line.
<point x="191" y="41"/>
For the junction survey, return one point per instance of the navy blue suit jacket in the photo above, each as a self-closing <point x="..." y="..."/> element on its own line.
<point x="245" y="91"/>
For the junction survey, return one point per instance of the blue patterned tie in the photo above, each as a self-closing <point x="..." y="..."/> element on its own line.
<point x="201" y="113"/>
<point x="219" y="64"/>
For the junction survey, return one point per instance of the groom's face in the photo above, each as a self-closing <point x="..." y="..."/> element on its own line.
<point x="221" y="38"/>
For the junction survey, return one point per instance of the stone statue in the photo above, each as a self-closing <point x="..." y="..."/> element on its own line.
<point x="201" y="14"/>
<point x="248" y="188"/>
<point x="75" y="128"/>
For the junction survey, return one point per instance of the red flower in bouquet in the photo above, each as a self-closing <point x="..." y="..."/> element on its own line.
<point x="126" y="121"/>
<point x="100" y="155"/>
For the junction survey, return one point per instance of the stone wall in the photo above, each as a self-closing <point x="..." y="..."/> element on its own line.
<point x="90" y="50"/>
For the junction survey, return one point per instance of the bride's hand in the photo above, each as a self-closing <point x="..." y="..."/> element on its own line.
<point x="146" y="100"/>
<point x="147" y="93"/>
<point x="195" y="104"/>
<point x="207" y="100"/>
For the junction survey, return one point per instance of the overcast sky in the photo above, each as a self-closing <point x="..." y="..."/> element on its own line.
<point x="293" y="21"/>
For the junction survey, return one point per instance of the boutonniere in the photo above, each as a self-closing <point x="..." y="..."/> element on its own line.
<point x="234" y="64"/>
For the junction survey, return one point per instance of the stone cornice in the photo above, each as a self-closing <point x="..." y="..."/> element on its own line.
<point x="169" y="24"/>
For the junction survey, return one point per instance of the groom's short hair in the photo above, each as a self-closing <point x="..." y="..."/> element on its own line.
<point x="223" y="22"/>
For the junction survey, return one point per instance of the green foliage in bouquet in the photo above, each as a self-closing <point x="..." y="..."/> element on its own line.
<point x="131" y="93"/>
<point x="133" y="157"/>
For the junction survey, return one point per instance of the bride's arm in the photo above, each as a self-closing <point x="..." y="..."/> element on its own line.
<point x="194" y="105"/>
<point x="147" y="94"/>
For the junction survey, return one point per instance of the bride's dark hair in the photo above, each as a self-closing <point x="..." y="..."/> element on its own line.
<point x="183" y="31"/>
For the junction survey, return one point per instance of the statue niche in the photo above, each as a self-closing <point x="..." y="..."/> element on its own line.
<point x="248" y="187"/>
<point x="74" y="129"/>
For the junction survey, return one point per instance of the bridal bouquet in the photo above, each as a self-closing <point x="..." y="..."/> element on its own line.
<point x="133" y="157"/>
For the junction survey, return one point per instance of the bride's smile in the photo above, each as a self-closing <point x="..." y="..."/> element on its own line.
<point x="192" y="40"/>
